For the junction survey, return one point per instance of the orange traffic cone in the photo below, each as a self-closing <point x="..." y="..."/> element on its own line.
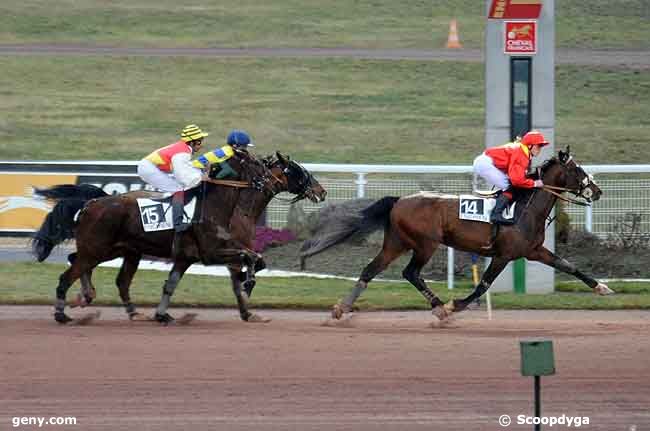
<point x="453" y="41"/>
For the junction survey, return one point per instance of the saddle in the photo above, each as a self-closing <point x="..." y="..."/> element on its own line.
<point x="166" y="197"/>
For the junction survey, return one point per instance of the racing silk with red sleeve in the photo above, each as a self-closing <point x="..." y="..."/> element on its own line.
<point x="175" y="159"/>
<point x="513" y="159"/>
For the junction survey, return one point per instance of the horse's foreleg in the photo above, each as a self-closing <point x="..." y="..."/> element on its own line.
<point x="544" y="255"/>
<point x="236" y="277"/>
<point x="123" y="282"/>
<point x="175" y="275"/>
<point x="249" y="278"/>
<point x="496" y="266"/>
<point x="87" y="291"/>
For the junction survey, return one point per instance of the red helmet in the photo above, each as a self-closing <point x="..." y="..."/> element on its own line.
<point x="534" y="137"/>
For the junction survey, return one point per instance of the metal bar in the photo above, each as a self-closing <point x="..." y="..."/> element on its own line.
<point x="450" y="268"/>
<point x="538" y="403"/>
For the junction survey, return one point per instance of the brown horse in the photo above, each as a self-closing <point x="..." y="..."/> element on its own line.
<point x="222" y="231"/>
<point x="422" y="221"/>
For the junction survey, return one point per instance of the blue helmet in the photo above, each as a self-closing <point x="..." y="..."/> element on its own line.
<point x="239" y="138"/>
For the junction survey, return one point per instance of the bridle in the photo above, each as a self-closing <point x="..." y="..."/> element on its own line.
<point x="301" y="189"/>
<point x="583" y="191"/>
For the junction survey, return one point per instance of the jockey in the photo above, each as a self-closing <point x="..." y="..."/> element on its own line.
<point x="505" y="167"/>
<point x="169" y="169"/>
<point x="237" y="139"/>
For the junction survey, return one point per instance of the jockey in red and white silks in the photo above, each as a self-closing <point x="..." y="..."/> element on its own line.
<point x="505" y="166"/>
<point x="169" y="169"/>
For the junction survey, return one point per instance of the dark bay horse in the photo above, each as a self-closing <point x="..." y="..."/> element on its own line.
<point x="222" y="231"/>
<point x="422" y="221"/>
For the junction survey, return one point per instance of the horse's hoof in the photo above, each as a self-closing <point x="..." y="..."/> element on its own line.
<point x="450" y="307"/>
<point x="62" y="318"/>
<point x="338" y="310"/>
<point x="256" y="318"/>
<point x="165" y="319"/>
<point x="138" y="317"/>
<point x="602" y="289"/>
<point x="441" y="313"/>
<point x="348" y="321"/>
<point x="87" y="319"/>
<point x="186" y="319"/>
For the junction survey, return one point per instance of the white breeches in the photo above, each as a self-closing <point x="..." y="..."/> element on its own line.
<point x="484" y="167"/>
<point x="157" y="178"/>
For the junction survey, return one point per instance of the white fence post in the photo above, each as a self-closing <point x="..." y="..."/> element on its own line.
<point x="361" y="184"/>
<point x="589" y="213"/>
<point x="450" y="268"/>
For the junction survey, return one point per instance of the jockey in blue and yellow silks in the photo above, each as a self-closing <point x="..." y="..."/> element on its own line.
<point x="236" y="139"/>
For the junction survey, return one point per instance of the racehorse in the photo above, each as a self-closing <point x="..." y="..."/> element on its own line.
<point x="422" y="221"/>
<point x="222" y="230"/>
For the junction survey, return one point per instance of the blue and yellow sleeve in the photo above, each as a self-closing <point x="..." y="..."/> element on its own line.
<point x="215" y="156"/>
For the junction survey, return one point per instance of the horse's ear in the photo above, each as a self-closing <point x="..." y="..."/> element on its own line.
<point x="564" y="155"/>
<point x="568" y="149"/>
<point x="281" y="158"/>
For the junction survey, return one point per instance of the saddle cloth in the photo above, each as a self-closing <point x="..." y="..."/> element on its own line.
<point x="157" y="214"/>
<point x="479" y="209"/>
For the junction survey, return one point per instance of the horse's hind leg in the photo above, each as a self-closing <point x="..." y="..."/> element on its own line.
<point x="87" y="291"/>
<point x="123" y="282"/>
<point x="391" y="250"/>
<point x="69" y="276"/>
<point x="412" y="271"/>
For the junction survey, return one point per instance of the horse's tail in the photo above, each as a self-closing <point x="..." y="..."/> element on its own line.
<point x="339" y="228"/>
<point x="71" y="191"/>
<point x="59" y="224"/>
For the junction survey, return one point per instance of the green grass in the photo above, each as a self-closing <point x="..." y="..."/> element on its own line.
<point x="32" y="283"/>
<point x="302" y="23"/>
<point x="318" y="110"/>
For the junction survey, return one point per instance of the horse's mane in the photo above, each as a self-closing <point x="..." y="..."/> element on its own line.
<point x="549" y="163"/>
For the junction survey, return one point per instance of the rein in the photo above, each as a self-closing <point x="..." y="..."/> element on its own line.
<point x="551" y="190"/>
<point x="229" y="183"/>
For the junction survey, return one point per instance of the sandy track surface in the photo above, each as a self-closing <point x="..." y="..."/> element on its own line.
<point x="627" y="59"/>
<point x="386" y="370"/>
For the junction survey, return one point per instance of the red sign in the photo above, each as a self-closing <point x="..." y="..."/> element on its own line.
<point x="520" y="37"/>
<point x="515" y="9"/>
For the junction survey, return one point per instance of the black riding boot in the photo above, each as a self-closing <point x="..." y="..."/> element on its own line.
<point x="178" y="201"/>
<point x="503" y="200"/>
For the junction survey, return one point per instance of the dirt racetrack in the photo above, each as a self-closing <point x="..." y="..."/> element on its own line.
<point x="383" y="371"/>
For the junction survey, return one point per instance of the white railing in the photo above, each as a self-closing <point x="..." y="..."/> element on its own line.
<point x="627" y="195"/>
<point x="626" y="189"/>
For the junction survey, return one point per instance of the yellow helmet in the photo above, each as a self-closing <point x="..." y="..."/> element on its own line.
<point x="192" y="132"/>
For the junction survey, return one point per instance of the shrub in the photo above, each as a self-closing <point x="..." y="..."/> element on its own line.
<point x="266" y="237"/>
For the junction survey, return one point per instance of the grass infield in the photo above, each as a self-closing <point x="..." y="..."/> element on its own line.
<point x="317" y="110"/>
<point x="32" y="283"/>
